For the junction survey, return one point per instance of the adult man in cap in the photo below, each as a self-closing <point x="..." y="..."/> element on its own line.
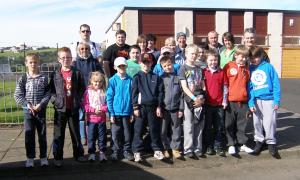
<point x="179" y="49"/>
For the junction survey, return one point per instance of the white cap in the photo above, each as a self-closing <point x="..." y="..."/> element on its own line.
<point x="120" y="61"/>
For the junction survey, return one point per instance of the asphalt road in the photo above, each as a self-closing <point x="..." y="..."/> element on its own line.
<point x="290" y="94"/>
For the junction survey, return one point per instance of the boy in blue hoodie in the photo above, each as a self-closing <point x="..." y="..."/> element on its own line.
<point x="264" y="100"/>
<point x="120" y="110"/>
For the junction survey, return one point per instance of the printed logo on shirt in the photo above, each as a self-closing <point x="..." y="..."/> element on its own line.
<point x="233" y="71"/>
<point x="123" y="53"/>
<point x="259" y="78"/>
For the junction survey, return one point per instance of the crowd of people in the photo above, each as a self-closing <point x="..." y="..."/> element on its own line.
<point x="184" y="100"/>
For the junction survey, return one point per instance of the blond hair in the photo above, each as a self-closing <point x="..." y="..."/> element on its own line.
<point x="170" y="41"/>
<point x="98" y="76"/>
<point x="243" y="50"/>
<point x="192" y="47"/>
<point x="34" y="56"/>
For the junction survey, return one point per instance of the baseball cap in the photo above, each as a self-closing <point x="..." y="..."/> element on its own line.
<point x="147" y="57"/>
<point x="166" y="49"/>
<point x="120" y="61"/>
<point x="180" y="34"/>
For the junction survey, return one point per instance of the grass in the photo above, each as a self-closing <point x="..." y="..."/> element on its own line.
<point x="12" y="54"/>
<point x="10" y="112"/>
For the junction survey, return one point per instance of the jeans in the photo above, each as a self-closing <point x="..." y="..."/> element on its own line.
<point x="31" y="123"/>
<point x="82" y="124"/>
<point x="96" y="131"/>
<point x="121" y="134"/>
<point x="60" y="121"/>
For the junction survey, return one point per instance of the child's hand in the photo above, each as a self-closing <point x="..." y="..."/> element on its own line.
<point x="30" y="108"/>
<point x="179" y="114"/>
<point x="252" y="109"/>
<point x="158" y="112"/>
<point x="37" y="108"/>
<point x="112" y="120"/>
<point x="131" y="118"/>
<point x="136" y="112"/>
<point x="198" y="102"/>
<point x="224" y="105"/>
<point x="276" y="107"/>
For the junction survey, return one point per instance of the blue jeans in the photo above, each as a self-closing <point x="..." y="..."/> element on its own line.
<point x="82" y="123"/>
<point x="96" y="131"/>
<point x="31" y="123"/>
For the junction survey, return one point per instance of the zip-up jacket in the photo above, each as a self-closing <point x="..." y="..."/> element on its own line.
<point x="147" y="89"/>
<point x="173" y="98"/>
<point x="118" y="96"/>
<point x="86" y="66"/>
<point x="264" y="83"/>
<point x="33" y="90"/>
<point x="58" y="96"/>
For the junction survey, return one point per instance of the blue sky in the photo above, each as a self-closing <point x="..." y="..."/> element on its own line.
<point x="49" y="22"/>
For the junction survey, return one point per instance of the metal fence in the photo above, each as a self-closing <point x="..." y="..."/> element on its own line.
<point x="10" y="112"/>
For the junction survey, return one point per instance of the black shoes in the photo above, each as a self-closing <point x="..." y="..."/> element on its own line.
<point x="221" y="152"/>
<point x="257" y="148"/>
<point x="210" y="151"/>
<point x="273" y="151"/>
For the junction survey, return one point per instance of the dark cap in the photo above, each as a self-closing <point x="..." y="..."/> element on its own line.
<point x="180" y="34"/>
<point x="147" y="58"/>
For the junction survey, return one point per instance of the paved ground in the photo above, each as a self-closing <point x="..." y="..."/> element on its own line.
<point x="12" y="156"/>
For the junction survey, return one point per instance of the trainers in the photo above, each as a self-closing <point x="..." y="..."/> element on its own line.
<point x="246" y="149"/>
<point x="102" y="156"/>
<point x="176" y="154"/>
<point x="210" y="151"/>
<point x="166" y="154"/>
<point x="81" y="159"/>
<point x="128" y="156"/>
<point x="199" y="154"/>
<point x="231" y="150"/>
<point x="220" y="152"/>
<point x="58" y="163"/>
<point x="92" y="157"/>
<point x="158" y="155"/>
<point x="189" y="154"/>
<point x="114" y="156"/>
<point x="44" y="162"/>
<point x="257" y="148"/>
<point x="137" y="157"/>
<point x="29" y="163"/>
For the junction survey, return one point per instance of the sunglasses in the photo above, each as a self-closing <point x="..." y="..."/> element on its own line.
<point x="86" y="31"/>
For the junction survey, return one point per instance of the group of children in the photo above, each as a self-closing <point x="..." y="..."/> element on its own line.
<point x="209" y="105"/>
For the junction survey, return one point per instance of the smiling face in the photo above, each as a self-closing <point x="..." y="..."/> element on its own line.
<point x="228" y="44"/>
<point x="240" y="59"/>
<point x="191" y="54"/>
<point x="249" y="39"/>
<point x="212" y="61"/>
<point x="84" y="50"/>
<point x="65" y="59"/>
<point x="120" y="39"/>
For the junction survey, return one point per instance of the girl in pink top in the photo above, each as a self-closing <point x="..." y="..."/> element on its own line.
<point x="95" y="107"/>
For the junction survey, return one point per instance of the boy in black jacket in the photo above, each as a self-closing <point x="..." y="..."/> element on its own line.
<point x="147" y="99"/>
<point x="67" y="88"/>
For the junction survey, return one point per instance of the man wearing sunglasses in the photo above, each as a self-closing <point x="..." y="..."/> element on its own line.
<point x="85" y="34"/>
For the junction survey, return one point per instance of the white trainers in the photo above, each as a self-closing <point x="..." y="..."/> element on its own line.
<point x="102" y="156"/>
<point x="29" y="163"/>
<point x="159" y="155"/>
<point x="92" y="157"/>
<point x="44" y="162"/>
<point x="231" y="150"/>
<point x="137" y="157"/>
<point x="246" y="149"/>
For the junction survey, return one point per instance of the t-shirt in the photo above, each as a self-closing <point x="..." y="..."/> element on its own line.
<point x="114" y="51"/>
<point x="192" y="75"/>
<point x="226" y="58"/>
<point x="132" y="67"/>
<point x="67" y="76"/>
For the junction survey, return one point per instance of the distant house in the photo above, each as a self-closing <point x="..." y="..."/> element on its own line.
<point x="15" y="49"/>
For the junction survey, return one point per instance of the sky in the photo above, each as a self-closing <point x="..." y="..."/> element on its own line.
<point x="47" y="22"/>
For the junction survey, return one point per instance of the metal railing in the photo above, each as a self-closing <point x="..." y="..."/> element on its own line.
<point x="10" y="112"/>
